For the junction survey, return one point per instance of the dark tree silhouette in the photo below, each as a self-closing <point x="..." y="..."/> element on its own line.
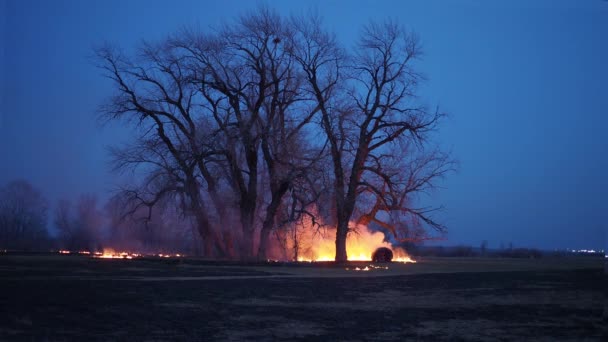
<point x="155" y="92"/>
<point x="232" y="121"/>
<point x="376" y="129"/>
<point x="23" y="217"/>
<point x="252" y="88"/>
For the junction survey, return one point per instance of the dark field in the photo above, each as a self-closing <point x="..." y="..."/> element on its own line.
<point x="66" y="298"/>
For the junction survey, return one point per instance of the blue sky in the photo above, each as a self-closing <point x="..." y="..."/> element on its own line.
<point x="524" y="83"/>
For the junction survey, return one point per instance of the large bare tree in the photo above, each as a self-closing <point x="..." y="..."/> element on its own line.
<point x="217" y="113"/>
<point x="154" y="91"/>
<point x="252" y="87"/>
<point x="373" y="121"/>
<point x="234" y="119"/>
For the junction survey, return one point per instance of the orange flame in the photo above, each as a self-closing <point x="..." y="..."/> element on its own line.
<point x="306" y="243"/>
<point x="109" y="253"/>
<point x="359" y="247"/>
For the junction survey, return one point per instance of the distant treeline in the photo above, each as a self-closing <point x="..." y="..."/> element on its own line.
<point x="87" y="225"/>
<point x="469" y="251"/>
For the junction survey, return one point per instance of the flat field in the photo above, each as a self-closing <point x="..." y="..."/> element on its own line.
<point x="76" y="298"/>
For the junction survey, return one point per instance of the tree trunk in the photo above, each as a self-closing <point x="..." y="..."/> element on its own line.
<point x="247" y="227"/>
<point x="228" y="242"/>
<point x="202" y="225"/>
<point x="346" y="204"/>
<point x="247" y="241"/>
<point x="271" y="211"/>
<point x="264" y="237"/>
<point x="341" y="233"/>
<point x="220" y="207"/>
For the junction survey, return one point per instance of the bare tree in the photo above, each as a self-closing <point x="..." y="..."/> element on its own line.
<point x="23" y="217"/>
<point x="155" y="92"/>
<point x="369" y="107"/>
<point x="229" y="125"/>
<point x="252" y="88"/>
<point x="216" y="112"/>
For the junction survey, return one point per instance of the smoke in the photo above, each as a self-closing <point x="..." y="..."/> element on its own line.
<point x="159" y="229"/>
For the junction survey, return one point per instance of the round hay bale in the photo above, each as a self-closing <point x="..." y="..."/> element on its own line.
<point x="382" y="254"/>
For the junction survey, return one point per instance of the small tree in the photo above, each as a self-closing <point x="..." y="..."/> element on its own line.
<point x="23" y="217"/>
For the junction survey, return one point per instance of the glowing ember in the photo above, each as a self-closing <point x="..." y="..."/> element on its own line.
<point x="368" y="268"/>
<point x="170" y="255"/>
<point x="379" y="267"/>
<point x="64" y="252"/>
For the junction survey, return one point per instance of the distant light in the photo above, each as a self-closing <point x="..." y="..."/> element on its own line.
<point x="586" y="251"/>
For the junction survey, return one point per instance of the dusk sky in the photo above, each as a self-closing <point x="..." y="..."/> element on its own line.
<point x="524" y="83"/>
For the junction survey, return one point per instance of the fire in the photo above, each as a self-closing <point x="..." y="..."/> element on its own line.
<point x="404" y="259"/>
<point x="109" y="253"/>
<point x="360" y="244"/>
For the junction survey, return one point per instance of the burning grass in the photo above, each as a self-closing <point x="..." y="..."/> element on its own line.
<point x="312" y="247"/>
<point x="306" y="242"/>
<point x="109" y="253"/>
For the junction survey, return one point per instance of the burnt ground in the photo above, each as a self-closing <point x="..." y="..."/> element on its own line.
<point x="66" y="298"/>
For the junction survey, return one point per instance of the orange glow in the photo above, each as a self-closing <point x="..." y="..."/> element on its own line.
<point x="170" y="255"/>
<point x="109" y="253"/>
<point x="315" y="246"/>
<point x="404" y="259"/>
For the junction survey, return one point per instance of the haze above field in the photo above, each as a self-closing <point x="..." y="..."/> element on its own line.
<point x="524" y="85"/>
